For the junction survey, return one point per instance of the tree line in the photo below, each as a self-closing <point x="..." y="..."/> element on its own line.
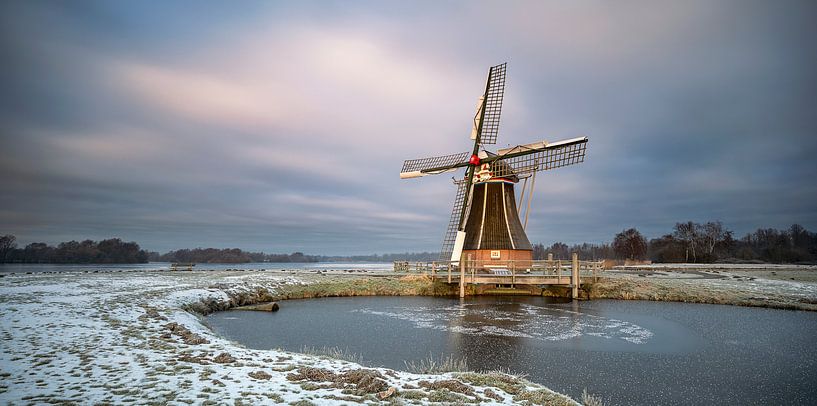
<point x="110" y="251"/>
<point x="228" y="256"/>
<point x="688" y="242"/>
<point x="698" y="243"/>
<point x="115" y="250"/>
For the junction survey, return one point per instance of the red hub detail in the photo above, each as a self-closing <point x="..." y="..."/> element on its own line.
<point x="474" y="160"/>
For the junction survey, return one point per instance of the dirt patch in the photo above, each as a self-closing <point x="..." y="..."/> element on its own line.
<point x="357" y="381"/>
<point x="261" y="375"/>
<point x="193" y="359"/>
<point x="224" y="358"/>
<point x="186" y="335"/>
<point x="493" y="395"/>
<point x="151" y="313"/>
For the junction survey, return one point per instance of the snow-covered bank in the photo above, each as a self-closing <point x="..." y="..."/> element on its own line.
<point x="781" y="287"/>
<point x="126" y="338"/>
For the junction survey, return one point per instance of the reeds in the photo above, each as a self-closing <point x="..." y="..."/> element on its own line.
<point x="437" y="366"/>
<point x="591" y="400"/>
<point x="333" y="352"/>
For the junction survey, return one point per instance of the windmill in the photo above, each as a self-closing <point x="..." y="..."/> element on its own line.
<point x="485" y="221"/>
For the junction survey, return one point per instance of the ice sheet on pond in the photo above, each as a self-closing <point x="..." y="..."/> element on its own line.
<point x="516" y="320"/>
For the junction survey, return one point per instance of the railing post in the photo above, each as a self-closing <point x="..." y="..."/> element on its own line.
<point x="574" y="277"/>
<point x="550" y="261"/>
<point x="462" y="276"/>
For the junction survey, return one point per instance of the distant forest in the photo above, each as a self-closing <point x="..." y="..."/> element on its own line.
<point x="228" y="256"/>
<point x="687" y="242"/>
<point x="116" y="251"/>
<point x="698" y="243"/>
<point x="111" y="251"/>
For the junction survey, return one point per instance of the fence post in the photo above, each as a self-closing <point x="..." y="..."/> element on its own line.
<point x="550" y="261"/>
<point x="462" y="276"/>
<point x="574" y="277"/>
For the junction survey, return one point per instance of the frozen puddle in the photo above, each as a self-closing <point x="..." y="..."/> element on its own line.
<point x="515" y="320"/>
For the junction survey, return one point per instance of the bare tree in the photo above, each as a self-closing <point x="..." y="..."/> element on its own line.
<point x="630" y="244"/>
<point x="7" y="243"/>
<point x="687" y="233"/>
<point x="711" y="234"/>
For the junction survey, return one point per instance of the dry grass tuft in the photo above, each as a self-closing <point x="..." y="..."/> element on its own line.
<point x="187" y="336"/>
<point x="443" y="365"/>
<point x="591" y="400"/>
<point x="451" y="384"/>
<point x="542" y="397"/>
<point x="417" y="278"/>
<point x="260" y="375"/>
<point x="508" y="383"/>
<point x="358" y="381"/>
<point x="333" y="352"/>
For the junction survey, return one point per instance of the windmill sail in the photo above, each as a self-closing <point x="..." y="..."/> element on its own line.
<point x="524" y="160"/>
<point x="453" y="223"/>
<point x="493" y="104"/>
<point x="413" y="168"/>
<point x="491" y="178"/>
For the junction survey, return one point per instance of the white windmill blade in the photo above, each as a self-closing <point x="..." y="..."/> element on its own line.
<point x="494" y="95"/>
<point x="452" y="236"/>
<point x="414" y="168"/>
<point x="523" y="160"/>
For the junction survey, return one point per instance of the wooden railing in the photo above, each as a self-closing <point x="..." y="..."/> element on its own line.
<point x="528" y="272"/>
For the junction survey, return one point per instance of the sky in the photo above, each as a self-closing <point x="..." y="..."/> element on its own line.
<point x="282" y="126"/>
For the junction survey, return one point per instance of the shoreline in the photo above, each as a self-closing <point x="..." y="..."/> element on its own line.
<point x="117" y="337"/>
<point x="738" y="287"/>
<point x="135" y="337"/>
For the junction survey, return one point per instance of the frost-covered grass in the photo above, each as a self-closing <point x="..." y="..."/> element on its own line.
<point x="130" y="337"/>
<point x="137" y="337"/>
<point x="716" y="285"/>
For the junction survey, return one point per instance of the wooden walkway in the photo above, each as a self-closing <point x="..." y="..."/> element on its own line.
<point x="538" y="272"/>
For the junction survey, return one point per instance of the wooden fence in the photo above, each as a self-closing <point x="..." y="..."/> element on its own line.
<point x="509" y="272"/>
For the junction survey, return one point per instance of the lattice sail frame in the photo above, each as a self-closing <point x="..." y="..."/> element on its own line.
<point x="443" y="161"/>
<point x="520" y="162"/>
<point x="541" y="160"/>
<point x="493" y="104"/>
<point x="454" y="221"/>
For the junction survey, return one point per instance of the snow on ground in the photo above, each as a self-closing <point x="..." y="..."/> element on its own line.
<point x="781" y="286"/>
<point x="123" y="337"/>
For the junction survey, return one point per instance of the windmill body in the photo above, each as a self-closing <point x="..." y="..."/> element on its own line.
<point x="485" y="223"/>
<point x="493" y="230"/>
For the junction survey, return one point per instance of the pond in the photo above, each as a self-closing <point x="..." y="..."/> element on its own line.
<point x="628" y="352"/>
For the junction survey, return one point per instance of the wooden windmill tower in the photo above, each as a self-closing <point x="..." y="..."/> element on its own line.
<point x="485" y="222"/>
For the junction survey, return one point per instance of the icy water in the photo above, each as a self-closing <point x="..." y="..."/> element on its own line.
<point x="163" y="266"/>
<point x="629" y="352"/>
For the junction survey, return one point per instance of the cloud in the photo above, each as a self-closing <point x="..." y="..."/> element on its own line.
<point x="282" y="126"/>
